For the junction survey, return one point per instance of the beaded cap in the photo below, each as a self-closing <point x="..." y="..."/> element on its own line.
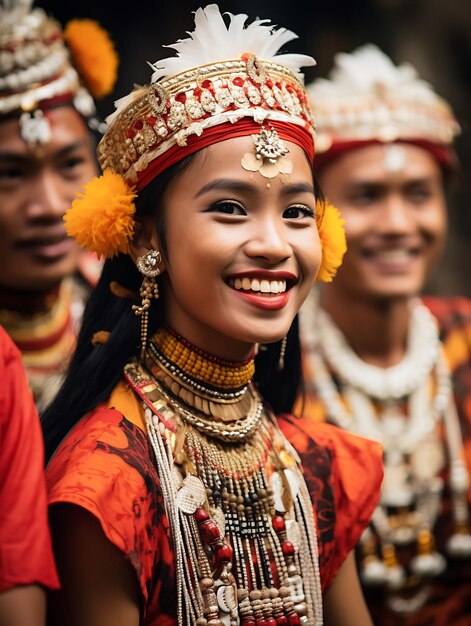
<point x="367" y="97"/>
<point x="222" y="73"/>
<point x="41" y="65"/>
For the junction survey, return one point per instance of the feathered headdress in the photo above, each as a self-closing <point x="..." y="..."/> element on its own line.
<point x="41" y="66"/>
<point x="224" y="78"/>
<point x="368" y="97"/>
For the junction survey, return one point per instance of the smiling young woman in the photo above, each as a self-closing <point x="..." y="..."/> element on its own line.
<point x="176" y="496"/>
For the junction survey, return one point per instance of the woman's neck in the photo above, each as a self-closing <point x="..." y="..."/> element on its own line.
<point x="376" y="329"/>
<point x="208" y="339"/>
<point x="180" y="355"/>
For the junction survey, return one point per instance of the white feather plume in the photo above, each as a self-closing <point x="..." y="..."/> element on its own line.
<point x="362" y="71"/>
<point x="13" y="11"/>
<point x="213" y="41"/>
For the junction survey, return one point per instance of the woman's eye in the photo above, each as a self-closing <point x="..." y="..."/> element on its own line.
<point x="227" y="207"/>
<point x="298" y="211"/>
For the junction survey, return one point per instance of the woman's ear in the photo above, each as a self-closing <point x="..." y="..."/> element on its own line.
<point x="145" y="239"/>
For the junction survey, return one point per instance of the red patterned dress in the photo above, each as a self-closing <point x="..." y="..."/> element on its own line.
<point x="105" y="466"/>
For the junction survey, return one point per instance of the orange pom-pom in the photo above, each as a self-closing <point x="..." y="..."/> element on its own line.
<point x="101" y="217"/>
<point x="333" y="240"/>
<point x="94" y="55"/>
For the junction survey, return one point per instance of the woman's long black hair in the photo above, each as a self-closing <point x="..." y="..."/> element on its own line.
<point x="95" y="370"/>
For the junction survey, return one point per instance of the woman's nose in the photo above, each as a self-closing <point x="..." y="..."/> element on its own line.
<point x="269" y="241"/>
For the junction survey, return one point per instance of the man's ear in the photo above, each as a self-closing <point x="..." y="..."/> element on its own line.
<point x="145" y="239"/>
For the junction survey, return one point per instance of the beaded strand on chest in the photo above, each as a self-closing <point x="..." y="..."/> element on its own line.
<point x="239" y="512"/>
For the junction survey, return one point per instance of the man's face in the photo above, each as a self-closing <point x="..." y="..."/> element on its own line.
<point x="392" y="200"/>
<point x="37" y="186"/>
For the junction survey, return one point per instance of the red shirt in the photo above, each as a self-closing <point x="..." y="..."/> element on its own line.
<point x="26" y="555"/>
<point x="105" y="466"/>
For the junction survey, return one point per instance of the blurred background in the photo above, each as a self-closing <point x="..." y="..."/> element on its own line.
<point x="432" y="35"/>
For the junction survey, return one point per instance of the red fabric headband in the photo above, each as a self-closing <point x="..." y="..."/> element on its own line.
<point x="246" y="126"/>
<point x="445" y="155"/>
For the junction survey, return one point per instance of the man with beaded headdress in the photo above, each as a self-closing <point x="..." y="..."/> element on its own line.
<point x="47" y="150"/>
<point x="381" y="361"/>
<point x="176" y="495"/>
<point x="48" y="134"/>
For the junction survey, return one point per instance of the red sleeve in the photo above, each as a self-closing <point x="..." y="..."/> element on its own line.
<point x="358" y="475"/>
<point x="104" y="467"/>
<point x="26" y="555"/>
<point x="343" y="473"/>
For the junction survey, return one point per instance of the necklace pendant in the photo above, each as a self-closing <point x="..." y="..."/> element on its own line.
<point x="459" y="545"/>
<point x="227" y="601"/>
<point x="285" y="487"/>
<point x="191" y="495"/>
<point x="293" y="532"/>
<point x="403" y="527"/>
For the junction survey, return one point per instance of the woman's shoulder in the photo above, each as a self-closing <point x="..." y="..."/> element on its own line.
<point x="354" y="463"/>
<point x="104" y="466"/>
<point x="303" y="431"/>
<point x="105" y="457"/>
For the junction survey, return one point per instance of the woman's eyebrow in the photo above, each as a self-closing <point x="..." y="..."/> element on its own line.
<point x="229" y="184"/>
<point x="226" y="184"/>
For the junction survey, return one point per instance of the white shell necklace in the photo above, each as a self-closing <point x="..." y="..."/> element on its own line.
<point x="370" y="402"/>
<point x="390" y="383"/>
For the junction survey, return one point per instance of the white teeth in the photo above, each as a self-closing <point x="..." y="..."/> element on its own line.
<point x="391" y="256"/>
<point x="253" y="284"/>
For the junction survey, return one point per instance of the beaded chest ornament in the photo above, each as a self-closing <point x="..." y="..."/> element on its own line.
<point x="239" y="511"/>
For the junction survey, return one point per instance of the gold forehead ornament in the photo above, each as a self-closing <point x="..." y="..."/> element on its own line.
<point x="268" y="158"/>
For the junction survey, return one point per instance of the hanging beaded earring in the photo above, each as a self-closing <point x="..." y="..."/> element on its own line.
<point x="281" y="358"/>
<point x="148" y="265"/>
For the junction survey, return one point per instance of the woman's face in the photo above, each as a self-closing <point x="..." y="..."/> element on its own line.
<point x="242" y="251"/>
<point x="392" y="199"/>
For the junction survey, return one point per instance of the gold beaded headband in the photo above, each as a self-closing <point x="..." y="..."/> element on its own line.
<point x="167" y="113"/>
<point x="42" y="65"/>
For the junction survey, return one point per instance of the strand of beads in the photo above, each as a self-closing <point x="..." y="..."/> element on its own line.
<point x="295" y="605"/>
<point x="199" y="365"/>
<point x="222" y="554"/>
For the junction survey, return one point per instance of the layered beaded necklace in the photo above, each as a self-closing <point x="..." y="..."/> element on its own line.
<point x="239" y="511"/>
<point x="403" y="407"/>
<point x="44" y="328"/>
